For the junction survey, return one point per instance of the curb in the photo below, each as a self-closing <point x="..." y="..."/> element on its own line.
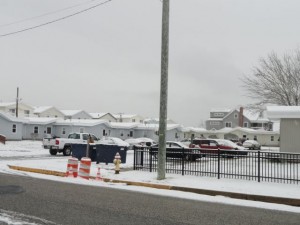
<point x="261" y="198"/>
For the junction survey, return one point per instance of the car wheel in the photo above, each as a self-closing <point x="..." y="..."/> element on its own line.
<point x="52" y="152"/>
<point x="67" y="151"/>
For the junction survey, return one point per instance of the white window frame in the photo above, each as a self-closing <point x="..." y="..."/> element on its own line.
<point x="81" y="130"/>
<point x="214" y="123"/>
<point x="245" y="123"/>
<point x="235" y="116"/>
<point x="63" y="130"/>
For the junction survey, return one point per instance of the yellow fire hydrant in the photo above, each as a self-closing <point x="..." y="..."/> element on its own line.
<point x="117" y="162"/>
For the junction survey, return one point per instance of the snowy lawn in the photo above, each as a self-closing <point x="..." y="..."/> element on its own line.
<point x="37" y="157"/>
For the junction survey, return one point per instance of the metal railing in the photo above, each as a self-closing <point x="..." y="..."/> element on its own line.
<point x="249" y="165"/>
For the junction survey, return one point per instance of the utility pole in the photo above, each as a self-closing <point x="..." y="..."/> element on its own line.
<point x="161" y="171"/>
<point x="17" y="103"/>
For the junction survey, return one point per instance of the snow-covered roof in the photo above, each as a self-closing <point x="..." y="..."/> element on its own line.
<point x="40" y="120"/>
<point x="40" y="109"/>
<point x="255" y="116"/>
<point x="99" y="115"/>
<point x="278" y="112"/>
<point x="71" y="112"/>
<point x="4" y="104"/>
<point x="125" y="116"/>
<point x="220" y="110"/>
<point x="7" y="116"/>
<point x="124" y="125"/>
<point x="80" y="122"/>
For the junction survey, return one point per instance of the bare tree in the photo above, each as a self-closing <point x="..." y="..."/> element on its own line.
<point x="275" y="81"/>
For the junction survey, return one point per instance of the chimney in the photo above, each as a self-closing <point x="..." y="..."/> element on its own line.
<point x="241" y="117"/>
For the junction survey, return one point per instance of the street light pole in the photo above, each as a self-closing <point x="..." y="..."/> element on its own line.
<point x="161" y="171"/>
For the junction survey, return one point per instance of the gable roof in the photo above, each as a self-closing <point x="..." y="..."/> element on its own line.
<point x="71" y="112"/>
<point x="41" y="109"/>
<point x="8" y="117"/>
<point x="100" y="115"/>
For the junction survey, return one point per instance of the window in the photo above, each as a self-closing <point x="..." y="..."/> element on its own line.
<point x="272" y="138"/>
<point x="12" y="110"/>
<point x="103" y="132"/>
<point x="14" y="128"/>
<point x="214" y="123"/>
<point x="219" y="114"/>
<point x="131" y="134"/>
<point x="133" y="120"/>
<point x="255" y="138"/>
<point x="36" y="130"/>
<point x="81" y="130"/>
<point x="245" y="124"/>
<point x="141" y="121"/>
<point x="85" y="136"/>
<point x="228" y="124"/>
<point x="49" y="130"/>
<point x="122" y="134"/>
<point x="26" y="112"/>
<point x="176" y="135"/>
<point x="63" y="130"/>
<point x="235" y="116"/>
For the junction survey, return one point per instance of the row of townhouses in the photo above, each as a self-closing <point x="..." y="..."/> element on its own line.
<point x="38" y="122"/>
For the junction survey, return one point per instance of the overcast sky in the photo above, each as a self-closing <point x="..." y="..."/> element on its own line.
<point x="108" y="59"/>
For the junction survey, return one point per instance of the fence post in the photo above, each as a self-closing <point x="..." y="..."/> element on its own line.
<point x="182" y="160"/>
<point x="134" y="155"/>
<point x="218" y="163"/>
<point x="150" y="155"/>
<point x="258" y="169"/>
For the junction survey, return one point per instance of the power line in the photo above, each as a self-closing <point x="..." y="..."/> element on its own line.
<point x="53" y="21"/>
<point x="45" y="14"/>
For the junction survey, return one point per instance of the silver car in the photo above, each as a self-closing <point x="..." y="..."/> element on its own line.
<point x="252" y="144"/>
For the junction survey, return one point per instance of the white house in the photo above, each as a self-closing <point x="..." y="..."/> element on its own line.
<point x="76" y="114"/>
<point x="129" y="118"/>
<point x="24" y="110"/>
<point x="11" y="127"/>
<point x="103" y="116"/>
<point x="289" y="117"/>
<point x="264" y="137"/>
<point x="47" y="111"/>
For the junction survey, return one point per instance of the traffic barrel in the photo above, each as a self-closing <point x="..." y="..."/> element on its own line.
<point x="72" y="168"/>
<point x="85" y="168"/>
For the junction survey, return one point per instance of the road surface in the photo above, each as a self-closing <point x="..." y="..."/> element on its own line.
<point x="49" y="202"/>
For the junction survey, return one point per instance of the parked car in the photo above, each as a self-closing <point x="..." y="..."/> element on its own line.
<point x="252" y="144"/>
<point x="140" y="142"/>
<point x="113" y="141"/>
<point x="211" y="146"/>
<point x="175" y="149"/>
<point x="186" y="142"/>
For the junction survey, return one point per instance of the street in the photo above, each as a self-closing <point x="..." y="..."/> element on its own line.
<point x="63" y="203"/>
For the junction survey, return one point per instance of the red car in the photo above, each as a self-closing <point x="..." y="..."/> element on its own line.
<point x="211" y="146"/>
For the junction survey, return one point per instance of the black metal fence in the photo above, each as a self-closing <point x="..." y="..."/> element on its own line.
<point x="249" y="165"/>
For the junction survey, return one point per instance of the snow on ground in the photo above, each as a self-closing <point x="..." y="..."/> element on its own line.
<point x="37" y="157"/>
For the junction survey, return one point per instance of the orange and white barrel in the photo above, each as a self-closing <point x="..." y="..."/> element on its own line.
<point x="85" y="168"/>
<point x="72" y="167"/>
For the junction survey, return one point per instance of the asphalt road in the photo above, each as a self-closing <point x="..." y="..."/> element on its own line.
<point x="50" y="202"/>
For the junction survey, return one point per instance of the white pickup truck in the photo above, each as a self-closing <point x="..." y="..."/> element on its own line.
<point x="63" y="145"/>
